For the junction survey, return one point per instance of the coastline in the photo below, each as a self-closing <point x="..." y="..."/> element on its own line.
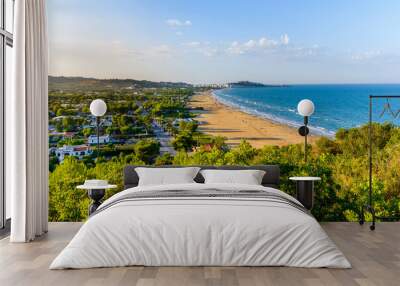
<point x="218" y="119"/>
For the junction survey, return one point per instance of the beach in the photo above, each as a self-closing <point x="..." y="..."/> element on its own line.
<point x="218" y="119"/>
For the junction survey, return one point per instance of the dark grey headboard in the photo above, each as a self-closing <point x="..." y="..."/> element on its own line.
<point x="271" y="178"/>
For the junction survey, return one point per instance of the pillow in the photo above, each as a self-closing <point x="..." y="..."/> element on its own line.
<point x="248" y="177"/>
<point x="166" y="176"/>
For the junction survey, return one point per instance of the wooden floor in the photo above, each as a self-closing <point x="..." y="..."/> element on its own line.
<point x="375" y="257"/>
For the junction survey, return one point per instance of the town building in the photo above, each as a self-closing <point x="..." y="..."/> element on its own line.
<point x="78" y="151"/>
<point x="104" y="139"/>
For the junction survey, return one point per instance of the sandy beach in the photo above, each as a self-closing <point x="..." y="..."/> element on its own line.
<point x="221" y="120"/>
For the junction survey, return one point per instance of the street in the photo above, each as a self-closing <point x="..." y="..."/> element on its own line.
<point x="164" y="138"/>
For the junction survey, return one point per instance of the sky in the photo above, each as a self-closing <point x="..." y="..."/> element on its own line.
<point x="209" y="41"/>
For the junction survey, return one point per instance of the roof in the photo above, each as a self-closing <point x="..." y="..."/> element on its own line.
<point x="81" y="148"/>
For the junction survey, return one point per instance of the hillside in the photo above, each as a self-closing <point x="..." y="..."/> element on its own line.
<point x="82" y="83"/>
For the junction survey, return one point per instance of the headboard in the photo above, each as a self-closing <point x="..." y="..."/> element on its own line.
<point x="271" y="177"/>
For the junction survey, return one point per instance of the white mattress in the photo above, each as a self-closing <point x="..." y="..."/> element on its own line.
<point x="200" y="232"/>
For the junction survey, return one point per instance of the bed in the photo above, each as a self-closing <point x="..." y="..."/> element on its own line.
<point x="198" y="224"/>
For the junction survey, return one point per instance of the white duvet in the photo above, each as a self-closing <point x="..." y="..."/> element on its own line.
<point x="202" y="232"/>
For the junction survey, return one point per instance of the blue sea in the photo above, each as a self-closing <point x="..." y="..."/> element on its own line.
<point x="336" y="106"/>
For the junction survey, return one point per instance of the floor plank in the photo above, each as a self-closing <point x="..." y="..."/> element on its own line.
<point x="375" y="257"/>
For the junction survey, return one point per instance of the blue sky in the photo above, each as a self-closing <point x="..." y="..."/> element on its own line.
<point x="296" y="41"/>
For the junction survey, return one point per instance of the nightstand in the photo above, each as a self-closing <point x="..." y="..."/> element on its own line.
<point x="96" y="190"/>
<point x="305" y="190"/>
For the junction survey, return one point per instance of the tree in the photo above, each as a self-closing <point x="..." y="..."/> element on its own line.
<point x="68" y="123"/>
<point x="87" y="132"/>
<point x="184" y="141"/>
<point x="66" y="203"/>
<point x="110" y="130"/>
<point x="53" y="162"/>
<point x="164" y="159"/>
<point x="189" y="127"/>
<point x="242" y="155"/>
<point x="147" y="150"/>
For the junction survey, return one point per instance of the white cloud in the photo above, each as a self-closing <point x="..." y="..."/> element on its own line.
<point x="204" y="48"/>
<point x="368" y="55"/>
<point x="178" y="23"/>
<point x="235" y="48"/>
<point x="267" y="43"/>
<point x="305" y="53"/>
<point x="161" y="49"/>
<point x="261" y="44"/>
<point x="178" y="33"/>
<point x="193" y="44"/>
<point x="250" y="44"/>
<point x="209" y="51"/>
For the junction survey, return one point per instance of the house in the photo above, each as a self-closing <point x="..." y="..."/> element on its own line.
<point x="68" y="135"/>
<point x="78" y="151"/>
<point x="61" y="117"/>
<point x="104" y="139"/>
<point x="105" y="121"/>
<point x="51" y="128"/>
<point x="52" y="150"/>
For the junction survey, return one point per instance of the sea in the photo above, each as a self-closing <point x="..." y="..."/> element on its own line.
<point x="336" y="105"/>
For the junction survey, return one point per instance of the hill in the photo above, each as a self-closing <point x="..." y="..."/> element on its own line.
<point x="82" y="83"/>
<point x="252" y="84"/>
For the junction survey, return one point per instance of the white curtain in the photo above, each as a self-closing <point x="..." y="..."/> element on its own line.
<point x="27" y="120"/>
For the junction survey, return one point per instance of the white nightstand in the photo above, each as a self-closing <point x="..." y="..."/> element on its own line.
<point x="96" y="190"/>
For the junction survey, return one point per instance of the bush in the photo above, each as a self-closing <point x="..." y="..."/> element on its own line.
<point x="164" y="159"/>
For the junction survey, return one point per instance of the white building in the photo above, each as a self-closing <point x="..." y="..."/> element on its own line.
<point x="105" y="121"/>
<point x="104" y="139"/>
<point x="52" y="150"/>
<point x="78" y="151"/>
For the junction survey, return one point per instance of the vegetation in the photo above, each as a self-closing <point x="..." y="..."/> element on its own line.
<point x="342" y="163"/>
<point x="66" y="203"/>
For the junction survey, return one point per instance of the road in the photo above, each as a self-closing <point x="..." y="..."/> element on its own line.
<point x="164" y="138"/>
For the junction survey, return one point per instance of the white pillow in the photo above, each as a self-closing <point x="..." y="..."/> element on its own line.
<point x="166" y="176"/>
<point x="248" y="177"/>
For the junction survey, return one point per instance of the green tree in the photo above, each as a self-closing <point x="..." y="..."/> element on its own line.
<point x="87" y="132"/>
<point x="164" y="159"/>
<point x="147" y="150"/>
<point x="66" y="202"/>
<point x="184" y="141"/>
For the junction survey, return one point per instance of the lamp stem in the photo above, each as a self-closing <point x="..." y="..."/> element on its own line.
<point x="98" y="136"/>
<point x="305" y="148"/>
<point x="305" y="138"/>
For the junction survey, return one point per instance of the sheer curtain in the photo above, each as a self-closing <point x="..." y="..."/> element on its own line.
<point x="27" y="120"/>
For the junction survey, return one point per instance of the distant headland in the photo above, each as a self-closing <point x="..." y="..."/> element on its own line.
<point x="253" y="84"/>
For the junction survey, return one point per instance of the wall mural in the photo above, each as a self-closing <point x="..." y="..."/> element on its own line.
<point x="179" y="91"/>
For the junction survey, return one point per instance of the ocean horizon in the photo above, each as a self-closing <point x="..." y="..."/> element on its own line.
<point x="336" y="105"/>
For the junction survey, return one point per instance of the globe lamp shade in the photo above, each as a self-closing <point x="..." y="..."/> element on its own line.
<point x="98" y="107"/>
<point x="305" y="107"/>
